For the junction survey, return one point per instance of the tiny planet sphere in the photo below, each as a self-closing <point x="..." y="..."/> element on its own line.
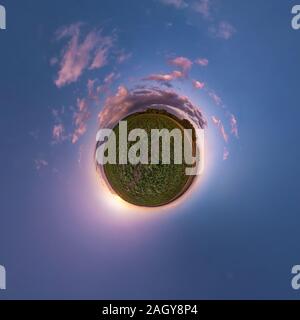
<point x="151" y="185"/>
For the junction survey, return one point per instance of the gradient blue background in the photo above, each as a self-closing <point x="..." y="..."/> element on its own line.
<point x="238" y="239"/>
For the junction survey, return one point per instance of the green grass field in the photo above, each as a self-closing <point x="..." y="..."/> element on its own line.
<point x="150" y="185"/>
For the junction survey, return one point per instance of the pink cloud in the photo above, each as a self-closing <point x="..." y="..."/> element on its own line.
<point x="79" y="131"/>
<point x="82" y="105"/>
<point x="110" y="78"/>
<point x="217" y="100"/>
<point x="100" y="59"/>
<point x="183" y="63"/>
<point x="165" y="77"/>
<point x="58" y="133"/>
<point x="198" y="84"/>
<point x="223" y="133"/>
<point x="203" y="7"/>
<point x="115" y="102"/>
<point x="95" y="89"/>
<point x="218" y="123"/>
<point x="77" y="55"/>
<point x="203" y="62"/>
<point x="80" y="119"/>
<point x="91" y="89"/>
<point x="178" y="4"/>
<point x="58" y="130"/>
<point x="125" y="102"/>
<point x="234" y="126"/>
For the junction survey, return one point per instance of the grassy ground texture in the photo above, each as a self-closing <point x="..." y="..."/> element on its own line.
<point x="150" y="185"/>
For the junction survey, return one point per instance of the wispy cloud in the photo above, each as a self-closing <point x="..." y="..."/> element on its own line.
<point x="216" y="99"/>
<point x="110" y="78"/>
<point x="123" y="56"/>
<point x="79" y="55"/>
<point x="114" y="107"/>
<point x="80" y="119"/>
<point x="100" y="59"/>
<point x="207" y="10"/>
<point x="91" y="89"/>
<point x="198" y="85"/>
<point x="58" y="133"/>
<point x="82" y="52"/>
<point x="40" y="163"/>
<point x="224" y="30"/>
<point x="225" y="154"/>
<point x="234" y="126"/>
<point x="218" y="123"/>
<point x="82" y="113"/>
<point x="203" y="62"/>
<point x="183" y="63"/>
<point x="95" y="90"/>
<point x="178" y="4"/>
<point x="203" y="7"/>
<point x="165" y="77"/>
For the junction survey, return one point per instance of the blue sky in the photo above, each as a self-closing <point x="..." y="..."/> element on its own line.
<point x="237" y="234"/>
